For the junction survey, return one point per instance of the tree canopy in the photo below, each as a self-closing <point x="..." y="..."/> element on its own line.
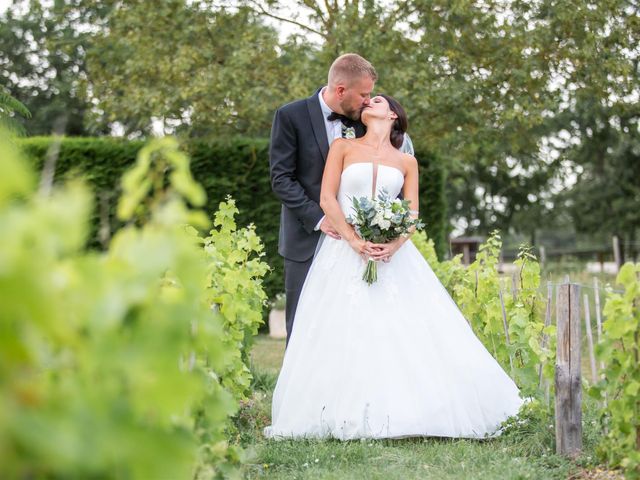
<point x="519" y="99"/>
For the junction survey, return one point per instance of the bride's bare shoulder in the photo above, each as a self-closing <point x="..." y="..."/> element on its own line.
<point x="346" y="145"/>
<point x="410" y="162"/>
<point x="341" y="145"/>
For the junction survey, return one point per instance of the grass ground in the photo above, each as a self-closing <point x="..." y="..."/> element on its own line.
<point x="526" y="452"/>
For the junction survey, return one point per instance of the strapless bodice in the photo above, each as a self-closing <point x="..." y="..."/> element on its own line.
<point x="357" y="180"/>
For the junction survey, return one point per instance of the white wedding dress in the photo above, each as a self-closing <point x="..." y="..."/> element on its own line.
<point x="390" y="360"/>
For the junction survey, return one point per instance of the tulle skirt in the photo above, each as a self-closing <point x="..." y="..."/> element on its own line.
<point x="389" y="360"/>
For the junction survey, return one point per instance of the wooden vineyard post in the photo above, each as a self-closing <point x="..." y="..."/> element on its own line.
<point x="587" y="324"/>
<point x="506" y="329"/>
<point x="596" y="291"/>
<point x="568" y="371"/>
<point x="545" y="338"/>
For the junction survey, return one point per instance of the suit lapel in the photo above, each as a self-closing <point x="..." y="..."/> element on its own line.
<point x="317" y="123"/>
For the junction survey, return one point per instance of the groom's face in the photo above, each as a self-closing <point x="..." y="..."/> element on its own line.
<point x="356" y="96"/>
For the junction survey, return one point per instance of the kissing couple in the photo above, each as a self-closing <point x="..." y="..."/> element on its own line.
<point x="391" y="359"/>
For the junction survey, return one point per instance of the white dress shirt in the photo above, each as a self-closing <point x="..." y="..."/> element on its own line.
<point x="334" y="128"/>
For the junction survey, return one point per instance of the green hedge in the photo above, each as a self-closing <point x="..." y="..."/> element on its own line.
<point x="239" y="167"/>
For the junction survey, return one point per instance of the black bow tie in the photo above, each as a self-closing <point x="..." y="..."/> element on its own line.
<point x="346" y="121"/>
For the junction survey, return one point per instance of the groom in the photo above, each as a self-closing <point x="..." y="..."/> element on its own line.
<point x="301" y="134"/>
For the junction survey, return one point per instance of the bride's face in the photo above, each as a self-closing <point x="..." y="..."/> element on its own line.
<point x="377" y="108"/>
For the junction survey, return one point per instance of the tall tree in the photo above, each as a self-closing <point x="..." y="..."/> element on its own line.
<point x="597" y="123"/>
<point x="471" y="78"/>
<point x="192" y="69"/>
<point x="42" y="64"/>
<point x="489" y="87"/>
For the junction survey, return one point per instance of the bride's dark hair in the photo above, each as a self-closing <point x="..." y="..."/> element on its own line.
<point x="400" y="124"/>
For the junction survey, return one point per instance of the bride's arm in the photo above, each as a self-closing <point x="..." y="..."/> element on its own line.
<point x="329" y="196"/>
<point x="410" y="191"/>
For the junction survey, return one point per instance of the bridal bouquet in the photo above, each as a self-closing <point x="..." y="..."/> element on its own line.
<point x="381" y="221"/>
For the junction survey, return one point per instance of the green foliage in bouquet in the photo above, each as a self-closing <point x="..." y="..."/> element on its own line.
<point x="110" y="362"/>
<point x="383" y="219"/>
<point x="619" y="350"/>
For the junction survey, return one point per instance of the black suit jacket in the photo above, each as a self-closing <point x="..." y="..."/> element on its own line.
<point x="297" y="154"/>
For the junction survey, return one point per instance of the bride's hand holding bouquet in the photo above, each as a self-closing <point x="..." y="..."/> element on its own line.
<point x="383" y="225"/>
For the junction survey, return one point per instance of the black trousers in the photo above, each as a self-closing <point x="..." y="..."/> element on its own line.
<point x="294" y="275"/>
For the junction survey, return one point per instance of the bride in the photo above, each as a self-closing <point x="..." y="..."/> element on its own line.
<point x="392" y="359"/>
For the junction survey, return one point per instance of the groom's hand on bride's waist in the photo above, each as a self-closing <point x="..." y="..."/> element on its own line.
<point x="326" y="227"/>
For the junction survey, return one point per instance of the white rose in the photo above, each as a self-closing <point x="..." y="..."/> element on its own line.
<point x="377" y="220"/>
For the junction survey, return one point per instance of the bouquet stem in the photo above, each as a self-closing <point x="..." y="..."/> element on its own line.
<point x="371" y="272"/>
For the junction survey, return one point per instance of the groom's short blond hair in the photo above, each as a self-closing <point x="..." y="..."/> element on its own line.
<point x="350" y="67"/>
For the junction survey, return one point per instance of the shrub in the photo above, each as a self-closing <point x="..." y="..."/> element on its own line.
<point x="238" y="167"/>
